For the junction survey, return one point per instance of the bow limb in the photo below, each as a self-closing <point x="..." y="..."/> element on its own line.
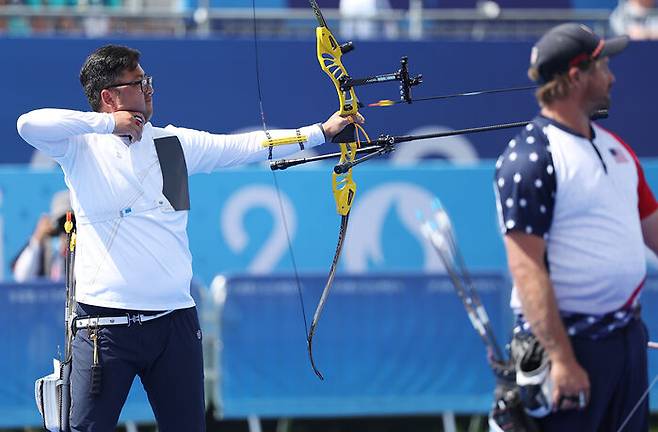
<point x="325" y="292"/>
<point x="344" y="189"/>
<point x="330" y="54"/>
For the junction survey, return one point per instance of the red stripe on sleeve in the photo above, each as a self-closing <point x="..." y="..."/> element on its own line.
<point x="647" y="203"/>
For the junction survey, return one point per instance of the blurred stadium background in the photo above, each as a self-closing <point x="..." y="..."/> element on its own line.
<point x="396" y="347"/>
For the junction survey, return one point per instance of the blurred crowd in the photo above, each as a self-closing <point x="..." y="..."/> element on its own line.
<point x="360" y="19"/>
<point x="34" y="17"/>
<point x="635" y="18"/>
<point x="91" y="18"/>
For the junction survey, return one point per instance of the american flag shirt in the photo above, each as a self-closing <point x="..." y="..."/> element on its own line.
<point x="585" y="198"/>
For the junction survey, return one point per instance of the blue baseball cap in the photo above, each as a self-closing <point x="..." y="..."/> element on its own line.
<point x="570" y="45"/>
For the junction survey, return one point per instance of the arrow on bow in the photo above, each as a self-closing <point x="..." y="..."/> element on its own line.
<point x="388" y="102"/>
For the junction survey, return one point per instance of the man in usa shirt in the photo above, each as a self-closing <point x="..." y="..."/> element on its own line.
<point x="576" y="213"/>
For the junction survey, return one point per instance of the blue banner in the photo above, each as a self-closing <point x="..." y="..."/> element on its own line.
<point x="236" y="225"/>
<point x="210" y="84"/>
<point x="395" y="344"/>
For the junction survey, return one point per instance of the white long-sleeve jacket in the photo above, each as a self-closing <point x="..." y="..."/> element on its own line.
<point x="131" y="200"/>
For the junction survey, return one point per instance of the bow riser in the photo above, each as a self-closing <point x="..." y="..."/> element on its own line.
<point x="330" y="55"/>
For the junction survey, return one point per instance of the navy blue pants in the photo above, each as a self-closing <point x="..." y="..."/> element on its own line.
<point x="617" y="369"/>
<point x="165" y="353"/>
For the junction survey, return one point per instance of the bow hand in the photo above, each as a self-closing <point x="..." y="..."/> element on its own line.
<point x="340" y="129"/>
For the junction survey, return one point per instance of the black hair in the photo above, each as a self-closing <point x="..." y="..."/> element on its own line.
<point x="103" y="68"/>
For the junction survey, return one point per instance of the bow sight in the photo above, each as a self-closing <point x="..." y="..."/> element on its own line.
<point x="330" y="52"/>
<point x="402" y="75"/>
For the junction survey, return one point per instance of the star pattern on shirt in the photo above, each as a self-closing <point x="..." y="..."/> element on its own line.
<point x="591" y="326"/>
<point x="525" y="182"/>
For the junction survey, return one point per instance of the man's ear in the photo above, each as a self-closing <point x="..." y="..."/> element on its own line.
<point x="574" y="74"/>
<point x="107" y="98"/>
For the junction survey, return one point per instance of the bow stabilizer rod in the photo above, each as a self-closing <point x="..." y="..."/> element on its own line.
<point x="281" y="164"/>
<point x="386" y="144"/>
